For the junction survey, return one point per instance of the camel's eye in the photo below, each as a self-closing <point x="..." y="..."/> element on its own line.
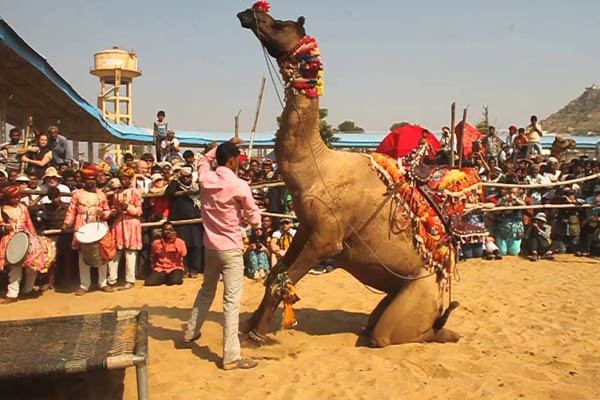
<point x="278" y="25"/>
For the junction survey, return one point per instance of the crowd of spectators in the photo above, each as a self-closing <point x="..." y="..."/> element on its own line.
<point x="536" y="232"/>
<point x="46" y="177"/>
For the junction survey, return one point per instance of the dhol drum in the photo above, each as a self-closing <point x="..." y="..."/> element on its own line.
<point x="17" y="249"/>
<point x="32" y="251"/>
<point x="95" y="243"/>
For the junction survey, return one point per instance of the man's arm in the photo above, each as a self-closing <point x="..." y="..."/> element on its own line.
<point x="205" y="163"/>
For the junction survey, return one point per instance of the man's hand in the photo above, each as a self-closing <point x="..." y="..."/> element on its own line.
<point x="8" y="228"/>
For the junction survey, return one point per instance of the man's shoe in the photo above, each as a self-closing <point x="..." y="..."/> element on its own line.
<point x="244" y="363"/>
<point x="107" y="289"/>
<point x="126" y="286"/>
<point x="8" y="300"/>
<point x="80" y="292"/>
<point x="532" y="258"/>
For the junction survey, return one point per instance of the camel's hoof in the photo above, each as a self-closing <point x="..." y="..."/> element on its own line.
<point x="260" y="339"/>
<point x="446" y="335"/>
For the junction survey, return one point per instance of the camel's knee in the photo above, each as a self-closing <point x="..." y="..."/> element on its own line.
<point x="446" y="335"/>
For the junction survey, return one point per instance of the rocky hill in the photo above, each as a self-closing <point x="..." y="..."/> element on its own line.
<point x="579" y="117"/>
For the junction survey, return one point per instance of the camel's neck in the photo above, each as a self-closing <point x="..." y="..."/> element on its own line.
<point x="299" y="146"/>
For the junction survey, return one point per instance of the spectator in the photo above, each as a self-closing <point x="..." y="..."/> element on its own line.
<point x="166" y="258"/>
<point x="160" y="205"/>
<point x="281" y="240"/>
<point x="590" y="230"/>
<point x="520" y="146"/>
<point x="52" y="179"/>
<point x="512" y="134"/>
<point x="492" y="144"/>
<point x="141" y="179"/>
<point x="170" y="148"/>
<point x="12" y="151"/>
<point x="15" y="218"/>
<point x="534" y="136"/>
<point x="160" y="132"/>
<point x="39" y="158"/>
<point x="187" y="207"/>
<point x="128" y="160"/>
<point x="256" y="255"/>
<point x="88" y="205"/>
<point x="59" y="146"/>
<point x="508" y="227"/>
<point x="540" y="239"/>
<point x="126" y="209"/>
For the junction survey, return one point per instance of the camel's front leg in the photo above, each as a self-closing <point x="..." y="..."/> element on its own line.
<point x="312" y="253"/>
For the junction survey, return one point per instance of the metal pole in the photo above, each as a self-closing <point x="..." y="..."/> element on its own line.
<point x="3" y="136"/>
<point x="253" y="131"/>
<point x="452" y="131"/>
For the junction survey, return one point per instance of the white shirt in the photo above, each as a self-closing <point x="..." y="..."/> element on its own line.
<point x="62" y="188"/>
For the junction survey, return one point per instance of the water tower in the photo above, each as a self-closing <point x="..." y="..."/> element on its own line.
<point x="116" y="69"/>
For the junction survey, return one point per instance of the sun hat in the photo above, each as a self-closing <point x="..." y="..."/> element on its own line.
<point x="286" y="219"/>
<point x="184" y="171"/>
<point x="156" y="177"/>
<point x="51" y="172"/>
<point x="552" y="159"/>
<point x="22" y="178"/>
<point x="540" y="217"/>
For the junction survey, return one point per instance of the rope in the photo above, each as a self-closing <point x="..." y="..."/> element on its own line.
<point x="540" y="185"/>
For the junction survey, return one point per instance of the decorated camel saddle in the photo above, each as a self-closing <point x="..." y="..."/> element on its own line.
<point x="432" y="200"/>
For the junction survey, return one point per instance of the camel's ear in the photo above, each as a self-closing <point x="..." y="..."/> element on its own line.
<point x="300" y="22"/>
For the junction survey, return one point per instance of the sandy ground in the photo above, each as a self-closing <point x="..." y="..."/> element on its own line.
<point x="529" y="330"/>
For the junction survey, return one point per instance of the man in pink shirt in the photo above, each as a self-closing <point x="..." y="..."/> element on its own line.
<point x="225" y="198"/>
<point x="166" y="258"/>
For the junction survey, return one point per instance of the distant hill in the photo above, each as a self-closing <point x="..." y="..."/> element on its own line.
<point x="579" y="117"/>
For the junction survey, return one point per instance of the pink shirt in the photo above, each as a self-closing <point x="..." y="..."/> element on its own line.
<point x="224" y="197"/>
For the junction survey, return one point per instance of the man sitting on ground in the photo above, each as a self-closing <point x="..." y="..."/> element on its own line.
<point x="166" y="258"/>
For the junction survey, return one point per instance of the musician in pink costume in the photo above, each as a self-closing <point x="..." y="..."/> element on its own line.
<point x="15" y="218"/>
<point x="126" y="208"/>
<point x="88" y="205"/>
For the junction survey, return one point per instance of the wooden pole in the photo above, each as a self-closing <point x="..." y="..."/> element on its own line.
<point x="253" y="131"/>
<point x="3" y="135"/>
<point x="461" y="143"/>
<point x="26" y="140"/>
<point x="237" y="124"/>
<point x="452" y="135"/>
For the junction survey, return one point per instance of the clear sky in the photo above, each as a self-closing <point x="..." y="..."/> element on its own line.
<point x="385" y="60"/>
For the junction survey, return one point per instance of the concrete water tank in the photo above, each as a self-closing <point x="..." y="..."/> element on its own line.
<point x="107" y="61"/>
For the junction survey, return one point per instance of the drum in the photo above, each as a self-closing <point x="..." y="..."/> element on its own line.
<point x="17" y="249"/>
<point x="91" y="238"/>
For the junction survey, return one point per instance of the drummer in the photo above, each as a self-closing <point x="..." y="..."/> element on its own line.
<point x="88" y="205"/>
<point x="126" y="208"/>
<point x="15" y="218"/>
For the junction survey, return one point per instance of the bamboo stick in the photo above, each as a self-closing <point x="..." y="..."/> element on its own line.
<point x="253" y="131"/>
<point x="452" y="139"/>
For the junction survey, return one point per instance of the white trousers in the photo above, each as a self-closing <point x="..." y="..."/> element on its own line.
<point x="14" y="280"/>
<point x="85" y="280"/>
<point x="113" y="266"/>
<point x="230" y="264"/>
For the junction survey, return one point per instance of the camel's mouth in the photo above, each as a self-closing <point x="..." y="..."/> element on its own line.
<point x="247" y="19"/>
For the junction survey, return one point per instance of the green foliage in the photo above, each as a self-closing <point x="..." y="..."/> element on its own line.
<point x="397" y="125"/>
<point x="326" y="131"/>
<point x="483" y="127"/>
<point x="350" y="127"/>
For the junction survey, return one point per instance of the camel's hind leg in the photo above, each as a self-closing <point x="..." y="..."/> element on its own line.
<point x="411" y="316"/>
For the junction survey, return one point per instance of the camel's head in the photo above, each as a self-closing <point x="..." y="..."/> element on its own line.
<point x="563" y="144"/>
<point x="278" y="37"/>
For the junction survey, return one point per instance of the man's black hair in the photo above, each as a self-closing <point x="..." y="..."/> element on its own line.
<point x="53" y="193"/>
<point x="166" y="223"/>
<point x="14" y="130"/>
<point x="147" y="156"/>
<point x="127" y="156"/>
<point x="155" y="169"/>
<point x="68" y="174"/>
<point x="161" y="112"/>
<point x="188" y="153"/>
<point x="225" y="151"/>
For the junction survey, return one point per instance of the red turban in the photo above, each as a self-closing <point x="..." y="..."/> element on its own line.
<point x="11" y="192"/>
<point x="89" y="172"/>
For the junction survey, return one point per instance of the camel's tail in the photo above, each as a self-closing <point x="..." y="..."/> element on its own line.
<point x="442" y="319"/>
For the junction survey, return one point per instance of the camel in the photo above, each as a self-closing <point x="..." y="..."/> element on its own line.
<point x="344" y="213"/>
<point x="560" y="146"/>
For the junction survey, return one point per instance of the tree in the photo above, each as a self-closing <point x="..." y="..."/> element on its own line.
<point x="483" y="127"/>
<point x="350" y="127"/>
<point x="397" y="125"/>
<point x="326" y="131"/>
